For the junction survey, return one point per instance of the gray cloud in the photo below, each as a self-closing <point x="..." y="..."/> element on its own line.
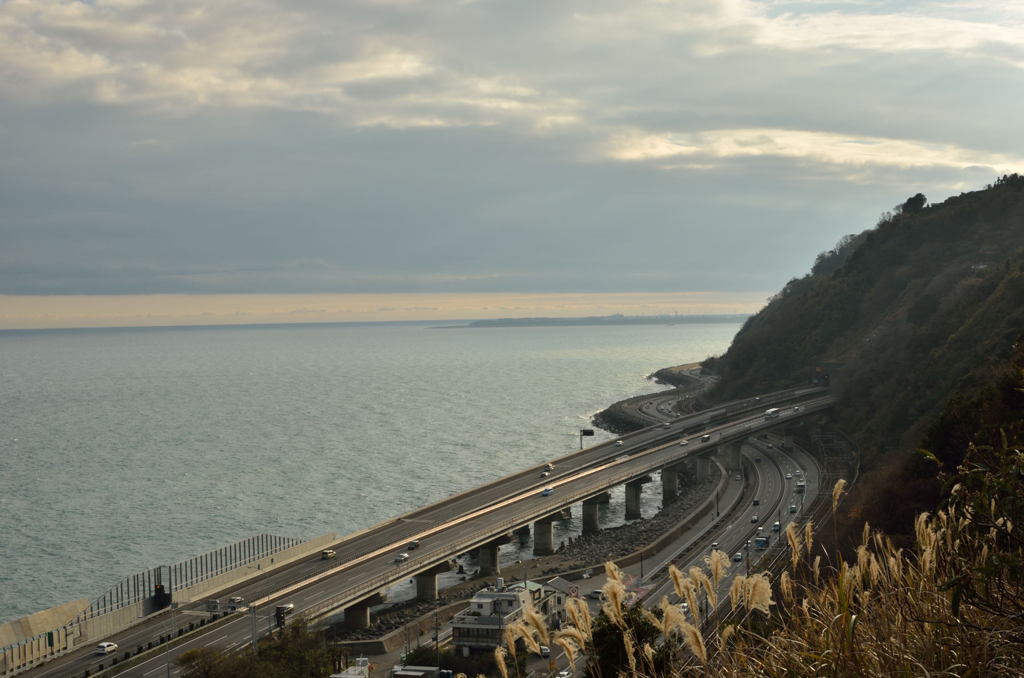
<point x="472" y="146"/>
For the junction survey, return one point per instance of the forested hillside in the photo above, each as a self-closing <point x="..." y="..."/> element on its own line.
<point x="903" y="318"/>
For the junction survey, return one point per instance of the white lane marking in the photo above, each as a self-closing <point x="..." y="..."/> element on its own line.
<point x="224" y="637"/>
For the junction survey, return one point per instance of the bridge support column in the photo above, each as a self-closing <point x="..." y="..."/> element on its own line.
<point x="633" y="490"/>
<point x="523" y="531"/>
<point x="669" y="485"/>
<point x="732" y="456"/>
<point x="357" y="615"/>
<point x="544" y="536"/>
<point x="703" y="468"/>
<point x="489" y="557"/>
<point x="426" y="582"/>
<point x="591" y="525"/>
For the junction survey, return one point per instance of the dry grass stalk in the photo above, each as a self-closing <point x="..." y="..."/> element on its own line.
<point x="537" y="623"/>
<point x="499" y="660"/>
<point x="695" y="642"/>
<point x="579" y="615"/>
<point x="718" y="564"/>
<point x="837" y="492"/>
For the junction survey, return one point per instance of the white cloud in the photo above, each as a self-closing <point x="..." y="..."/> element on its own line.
<point x="818" y="147"/>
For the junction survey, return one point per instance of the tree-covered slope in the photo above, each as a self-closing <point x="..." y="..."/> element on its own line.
<point x="902" y="317"/>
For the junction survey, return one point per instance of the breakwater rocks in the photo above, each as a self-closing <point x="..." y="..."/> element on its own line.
<point x="616" y="542"/>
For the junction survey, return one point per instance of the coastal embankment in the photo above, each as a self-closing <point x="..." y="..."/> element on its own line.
<point x="688" y="382"/>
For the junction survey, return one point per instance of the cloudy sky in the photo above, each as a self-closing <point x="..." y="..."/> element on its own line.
<point x="193" y="149"/>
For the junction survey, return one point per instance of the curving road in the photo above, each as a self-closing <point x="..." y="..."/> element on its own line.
<point x="365" y="561"/>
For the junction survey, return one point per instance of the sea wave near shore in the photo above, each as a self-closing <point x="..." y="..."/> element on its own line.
<point x="126" y="449"/>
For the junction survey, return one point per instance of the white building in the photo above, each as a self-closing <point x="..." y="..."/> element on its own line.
<point x="481" y="627"/>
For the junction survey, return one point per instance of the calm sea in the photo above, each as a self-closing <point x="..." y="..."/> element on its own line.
<point x="125" y="449"/>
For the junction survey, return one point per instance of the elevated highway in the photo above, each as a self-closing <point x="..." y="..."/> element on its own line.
<point x="481" y="518"/>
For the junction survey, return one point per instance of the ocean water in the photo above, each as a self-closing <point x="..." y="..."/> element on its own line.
<point x="125" y="449"/>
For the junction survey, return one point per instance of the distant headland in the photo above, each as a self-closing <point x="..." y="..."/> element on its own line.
<point x="616" y="319"/>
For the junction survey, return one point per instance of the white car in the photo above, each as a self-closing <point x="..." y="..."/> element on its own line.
<point x="737" y="557"/>
<point x="618" y="442"/>
<point x="684" y="443"/>
<point x="753" y="518"/>
<point x="106" y="648"/>
<point x="789" y="476"/>
<point x="401" y="557"/>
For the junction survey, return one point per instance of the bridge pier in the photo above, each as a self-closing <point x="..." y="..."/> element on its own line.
<point x="703" y="468"/>
<point x="426" y="582"/>
<point x="357" y="615"/>
<point x="633" y="490"/>
<point x="544" y="535"/>
<point x="488" y="556"/>
<point x="670" y="483"/>
<point x="591" y="525"/>
<point x="733" y="459"/>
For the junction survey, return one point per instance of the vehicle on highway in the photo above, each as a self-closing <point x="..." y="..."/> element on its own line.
<point x="761" y="542"/>
<point x="757" y="459"/>
<point x="545" y="474"/>
<point x="547" y="492"/>
<point x="327" y="554"/>
<point x="564" y="674"/>
<point x="789" y="476"/>
<point x="757" y="502"/>
<point x="737" y="477"/>
<point x="796" y="408"/>
<point x="776" y="526"/>
<point x="596" y="594"/>
<point x="792" y="508"/>
<point x="413" y="545"/>
<point x="705" y="438"/>
<point x="285" y="608"/>
<point x="667" y="424"/>
<point x="684" y="443"/>
<point x="401" y="557"/>
<point x="754" y="518"/>
<point x="737" y="557"/>
<point x="714" y="546"/>
<point x="801" y="485"/>
<point x="106" y="648"/>
<point x="545" y="651"/>
<point x="235" y="602"/>
<point x="771" y="413"/>
<point x="618" y="442"/>
<point x="549" y="466"/>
